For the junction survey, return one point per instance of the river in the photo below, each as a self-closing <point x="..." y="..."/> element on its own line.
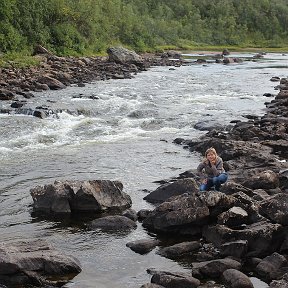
<point x="124" y="133"/>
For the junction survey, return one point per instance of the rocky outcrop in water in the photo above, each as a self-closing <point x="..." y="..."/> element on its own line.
<point x="242" y="230"/>
<point x="35" y="263"/>
<point x="80" y="196"/>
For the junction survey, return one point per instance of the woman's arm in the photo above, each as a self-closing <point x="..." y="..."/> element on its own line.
<point x="218" y="167"/>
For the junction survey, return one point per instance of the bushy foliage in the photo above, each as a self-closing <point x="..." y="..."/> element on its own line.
<point x="75" y="27"/>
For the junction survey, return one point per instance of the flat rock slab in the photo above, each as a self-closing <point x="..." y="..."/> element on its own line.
<point x="35" y="262"/>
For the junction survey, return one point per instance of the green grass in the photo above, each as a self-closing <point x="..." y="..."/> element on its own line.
<point x="18" y="60"/>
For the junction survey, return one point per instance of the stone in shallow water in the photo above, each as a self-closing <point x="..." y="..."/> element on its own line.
<point x="113" y="223"/>
<point x="80" y="196"/>
<point x="35" y="262"/>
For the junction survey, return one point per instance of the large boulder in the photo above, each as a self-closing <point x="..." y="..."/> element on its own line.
<point x="122" y="55"/>
<point x="187" y="210"/>
<point x="232" y="187"/>
<point x="162" y="193"/>
<point x="236" y="279"/>
<point x="263" y="180"/>
<point x="80" y="196"/>
<point x="272" y="267"/>
<point x="214" y="268"/>
<point x="35" y="263"/>
<point x="263" y="237"/>
<point x="179" y="211"/>
<point x="235" y="216"/>
<point x="275" y="208"/>
<point x="51" y="82"/>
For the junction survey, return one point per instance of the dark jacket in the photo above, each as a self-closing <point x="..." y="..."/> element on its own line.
<point x="206" y="170"/>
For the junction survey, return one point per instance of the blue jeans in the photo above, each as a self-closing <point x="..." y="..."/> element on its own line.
<point x="215" y="181"/>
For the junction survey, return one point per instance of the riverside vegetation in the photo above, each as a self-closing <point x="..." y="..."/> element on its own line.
<point x="69" y="27"/>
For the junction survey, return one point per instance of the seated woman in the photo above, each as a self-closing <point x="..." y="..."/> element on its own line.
<point x="211" y="171"/>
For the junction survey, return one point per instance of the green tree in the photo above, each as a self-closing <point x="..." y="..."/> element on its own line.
<point x="78" y="27"/>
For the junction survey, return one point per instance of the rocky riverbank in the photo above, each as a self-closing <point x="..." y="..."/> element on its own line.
<point x="55" y="73"/>
<point x="243" y="228"/>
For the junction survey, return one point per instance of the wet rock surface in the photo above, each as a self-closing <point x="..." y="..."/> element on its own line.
<point x="79" y="196"/>
<point x="113" y="223"/>
<point x="35" y="263"/>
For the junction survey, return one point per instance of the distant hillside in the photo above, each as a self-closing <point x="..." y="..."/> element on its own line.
<point x="88" y="26"/>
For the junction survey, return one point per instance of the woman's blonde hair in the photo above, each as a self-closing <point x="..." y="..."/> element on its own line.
<point x="210" y="150"/>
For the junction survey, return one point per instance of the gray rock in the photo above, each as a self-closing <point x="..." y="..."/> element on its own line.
<point x="179" y="249"/>
<point x="52" y="83"/>
<point x="236" y="249"/>
<point x="214" y="268"/>
<point x="38" y="49"/>
<point x="30" y="262"/>
<point x="131" y="214"/>
<point x="209" y="125"/>
<point x="177" y="212"/>
<point x="272" y="267"/>
<point x="113" y="223"/>
<point x="232" y="187"/>
<point x="143" y="246"/>
<point x="275" y="208"/>
<point x="78" y="196"/>
<point x="235" y="216"/>
<point x="263" y="180"/>
<point x="143" y="213"/>
<point x="260" y="194"/>
<point x="250" y="205"/>
<point x="175" y="280"/>
<point x="263" y="237"/>
<point x="123" y="55"/>
<point x="164" y="192"/>
<point x="236" y="279"/>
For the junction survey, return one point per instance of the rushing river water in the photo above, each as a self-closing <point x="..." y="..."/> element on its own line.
<point x="125" y="133"/>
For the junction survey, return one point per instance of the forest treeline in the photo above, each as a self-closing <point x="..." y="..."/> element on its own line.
<point x="69" y="27"/>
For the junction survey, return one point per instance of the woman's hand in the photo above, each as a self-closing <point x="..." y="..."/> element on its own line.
<point x="212" y="162"/>
<point x="204" y="181"/>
